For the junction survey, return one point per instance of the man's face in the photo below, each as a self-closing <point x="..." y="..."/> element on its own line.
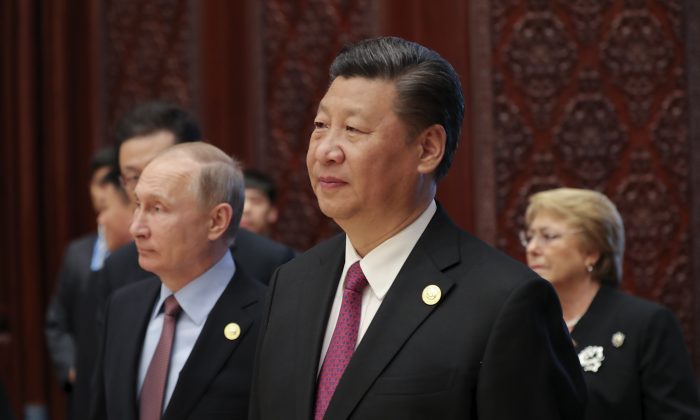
<point x="136" y="152"/>
<point x="170" y="225"/>
<point x="115" y="218"/>
<point x="258" y="212"/>
<point x="360" y="164"/>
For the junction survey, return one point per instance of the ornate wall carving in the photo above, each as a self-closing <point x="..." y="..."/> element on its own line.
<point x="540" y="58"/>
<point x="638" y="55"/>
<point x="301" y="40"/>
<point x="590" y="93"/>
<point x="147" y="53"/>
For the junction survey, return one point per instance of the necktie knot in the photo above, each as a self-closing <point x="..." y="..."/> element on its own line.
<point x="355" y="280"/>
<point x="171" y="307"/>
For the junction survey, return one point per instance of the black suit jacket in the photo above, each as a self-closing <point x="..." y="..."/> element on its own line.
<point x="493" y="347"/>
<point x="648" y="375"/>
<point x="63" y="314"/>
<point x="255" y="255"/>
<point x="213" y="384"/>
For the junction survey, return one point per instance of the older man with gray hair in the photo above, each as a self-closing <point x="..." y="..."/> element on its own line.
<point x="182" y="347"/>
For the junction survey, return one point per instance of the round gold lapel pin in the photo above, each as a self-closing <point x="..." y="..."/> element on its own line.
<point x="232" y="331"/>
<point x="431" y="295"/>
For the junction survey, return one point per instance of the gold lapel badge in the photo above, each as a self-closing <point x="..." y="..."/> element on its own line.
<point x="618" y="339"/>
<point x="431" y="295"/>
<point x="232" y="331"/>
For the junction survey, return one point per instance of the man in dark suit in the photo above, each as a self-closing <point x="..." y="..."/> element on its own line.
<point x="405" y="316"/>
<point x="82" y="257"/>
<point x="183" y="346"/>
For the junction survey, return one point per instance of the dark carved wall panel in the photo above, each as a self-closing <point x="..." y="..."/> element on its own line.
<point x="301" y="40"/>
<point x="148" y="52"/>
<point x="591" y="93"/>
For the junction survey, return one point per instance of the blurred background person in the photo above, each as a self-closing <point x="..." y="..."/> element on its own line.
<point x="81" y="256"/>
<point x="635" y="362"/>
<point x="260" y="212"/>
<point x="115" y="213"/>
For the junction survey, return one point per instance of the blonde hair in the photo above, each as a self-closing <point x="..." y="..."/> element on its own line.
<point x="220" y="179"/>
<point x="598" y="219"/>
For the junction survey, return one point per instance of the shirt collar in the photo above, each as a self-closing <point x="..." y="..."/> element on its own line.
<point x="198" y="297"/>
<point x="383" y="263"/>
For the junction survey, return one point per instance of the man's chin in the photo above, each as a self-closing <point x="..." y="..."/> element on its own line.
<point x="147" y="263"/>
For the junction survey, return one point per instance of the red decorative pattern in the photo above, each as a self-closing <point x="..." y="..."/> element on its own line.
<point x="638" y="55"/>
<point x="148" y="53"/>
<point x="590" y="137"/>
<point x="301" y="40"/>
<point x="650" y="218"/>
<point x="587" y="16"/>
<point x="670" y="139"/>
<point x="540" y="57"/>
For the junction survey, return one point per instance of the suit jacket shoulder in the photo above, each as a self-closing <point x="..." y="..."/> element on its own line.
<point x="259" y="256"/>
<point x="62" y="315"/>
<point x="635" y="361"/>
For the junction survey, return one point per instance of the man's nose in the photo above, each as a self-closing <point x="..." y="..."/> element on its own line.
<point x="138" y="227"/>
<point x="329" y="148"/>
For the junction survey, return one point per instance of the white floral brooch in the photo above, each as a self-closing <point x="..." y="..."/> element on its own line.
<point x="591" y="358"/>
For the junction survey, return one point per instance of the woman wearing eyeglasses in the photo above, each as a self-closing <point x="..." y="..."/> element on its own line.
<point x="631" y="350"/>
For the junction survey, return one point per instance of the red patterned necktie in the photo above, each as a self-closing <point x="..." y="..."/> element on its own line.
<point x="343" y="341"/>
<point x="153" y="389"/>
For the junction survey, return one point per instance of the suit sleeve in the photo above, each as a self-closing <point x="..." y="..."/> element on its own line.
<point x="254" y="406"/>
<point x="668" y="387"/>
<point x="98" y="407"/>
<point x="530" y="369"/>
<point x="59" y="331"/>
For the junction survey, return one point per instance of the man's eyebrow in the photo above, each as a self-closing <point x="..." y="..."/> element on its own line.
<point x="355" y="111"/>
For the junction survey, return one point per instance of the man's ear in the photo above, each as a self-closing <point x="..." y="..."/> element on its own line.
<point x="219" y="220"/>
<point x="272" y="215"/>
<point x="431" y="143"/>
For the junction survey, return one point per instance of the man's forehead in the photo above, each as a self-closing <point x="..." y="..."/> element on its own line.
<point x="136" y="152"/>
<point x="352" y="94"/>
<point x="166" y="174"/>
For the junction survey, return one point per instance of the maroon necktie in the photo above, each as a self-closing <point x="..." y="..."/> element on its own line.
<point x="343" y="340"/>
<point x="153" y="389"/>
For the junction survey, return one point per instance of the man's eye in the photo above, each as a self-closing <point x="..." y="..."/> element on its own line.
<point x="319" y="125"/>
<point x="352" y="129"/>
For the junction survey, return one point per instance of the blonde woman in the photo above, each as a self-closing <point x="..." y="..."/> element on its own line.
<point x="631" y="350"/>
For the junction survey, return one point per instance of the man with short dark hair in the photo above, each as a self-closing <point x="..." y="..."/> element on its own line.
<point x="182" y="347"/>
<point x="405" y="315"/>
<point x="64" y="326"/>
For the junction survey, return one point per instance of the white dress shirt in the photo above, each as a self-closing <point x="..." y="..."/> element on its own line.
<point x="196" y="300"/>
<point x="380" y="266"/>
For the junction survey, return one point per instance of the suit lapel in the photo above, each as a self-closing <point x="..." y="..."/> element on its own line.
<point x="212" y="349"/>
<point x="137" y="314"/>
<point x="400" y="314"/>
<point x="315" y="297"/>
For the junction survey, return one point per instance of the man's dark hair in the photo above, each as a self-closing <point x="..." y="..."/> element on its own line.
<point x="428" y="90"/>
<point x="101" y="158"/>
<point x="152" y="117"/>
<point x="260" y="181"/>
<point x="112" y="178"/>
